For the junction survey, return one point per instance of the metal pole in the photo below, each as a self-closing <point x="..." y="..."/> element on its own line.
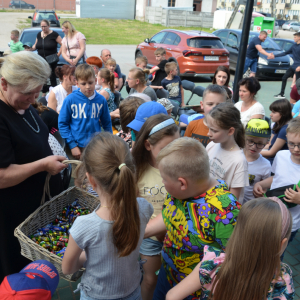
<point x="54" y="4"/>
<point x="243" y="48"/>
<point x="273" y="9"/>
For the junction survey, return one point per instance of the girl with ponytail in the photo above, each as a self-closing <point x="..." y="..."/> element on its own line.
<point x="225" y="151"/>
<point x="107" y="89"/>
<point x="107" y="241"/>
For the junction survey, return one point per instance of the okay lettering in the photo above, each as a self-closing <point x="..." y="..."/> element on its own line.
<point x="78" y="110"/>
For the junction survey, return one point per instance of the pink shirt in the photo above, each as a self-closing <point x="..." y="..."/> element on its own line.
<point x="73" y="43"/>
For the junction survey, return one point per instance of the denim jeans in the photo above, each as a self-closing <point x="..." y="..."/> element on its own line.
<point x="162" y="286"/>
<point x="250" y="63"/>
<point x="135" y="295"/>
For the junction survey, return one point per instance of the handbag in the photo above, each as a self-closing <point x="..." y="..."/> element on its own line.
<point x="51" y="59"/>
<point x="80" y="61"/>
<point x="279" y="193"/>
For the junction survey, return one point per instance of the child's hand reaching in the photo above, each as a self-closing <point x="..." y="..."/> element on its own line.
<point x="258" y="190"/>
<point x="293" y="196"/>
<point x="76" y="152"/>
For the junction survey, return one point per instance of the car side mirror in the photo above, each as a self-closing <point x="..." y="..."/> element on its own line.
<point x="30" y="17"/>
<point x="147" y="41"/>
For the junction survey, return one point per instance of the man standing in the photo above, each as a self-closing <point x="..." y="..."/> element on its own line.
<point x="295" y="68"/>
<point x="105" y="55"/>
<point x="252" y="53"/>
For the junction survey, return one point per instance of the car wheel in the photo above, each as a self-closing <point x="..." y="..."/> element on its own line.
<point x="291" y="29"/>
<point x="138" y="53"/>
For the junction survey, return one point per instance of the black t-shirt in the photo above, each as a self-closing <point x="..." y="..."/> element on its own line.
<point x="50" y="44"/>
<point x="160" y="74"/>
<point x="252" y="52"/>
<point x="20" y="145"/>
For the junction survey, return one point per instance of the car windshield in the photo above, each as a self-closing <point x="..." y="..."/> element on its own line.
<point x="205" y="43"/>
<point x="30" y="36"/>
<point x="268" y="44"/>
<point x="45" y="16"/>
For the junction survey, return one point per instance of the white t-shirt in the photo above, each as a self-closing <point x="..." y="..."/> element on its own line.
<point x="230" y="166"/>
<point x="286" y="172"/>
<point x="60" y="95"/>
<point x="256" y="109"/>
<point x="258" y="170"/>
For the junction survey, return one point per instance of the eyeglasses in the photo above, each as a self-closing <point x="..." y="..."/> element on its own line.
<point x="292" y="145"/>
<point x="44" y="26"/>
<point x="258" y="145"/>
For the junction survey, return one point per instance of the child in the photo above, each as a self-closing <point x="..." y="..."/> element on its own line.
<point x="212" y="96"/>
<point x="81" y="112"/>
<point x="157" y="132"/>
<point x="257" y="134"/>
<point x="141" y="62"/>
<point x="160" y="73"/>
<point x="281" y="114"/>
<point x="107" y="89"/>
<point x="250" y="268"/>
<point x="286" y="169"/>
<point x="225" y="151"/>
<point x="107" y="241"/>
<point x="172" y="83"/>
<point x="15" y="45"/>
<point x="111" y="66"/>
<point x="198" y="210"/>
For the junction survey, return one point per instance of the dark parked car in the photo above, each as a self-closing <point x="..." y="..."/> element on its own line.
<point x="20" y="4"/>
<point x="266" y="68"/>
<point x="49" y="15"/>
<point x="284" y="44"/>
<point x="29" y="35"/>
<point x="281" y="22"/>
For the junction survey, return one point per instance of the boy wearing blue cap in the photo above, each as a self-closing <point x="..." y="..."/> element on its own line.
<point x="38" y="280"/>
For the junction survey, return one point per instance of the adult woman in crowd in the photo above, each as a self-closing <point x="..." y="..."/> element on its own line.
<point x="46" y="44"/>
<point x="222" y="76"/>
<point x="248" y="106"/>
<point x="67" y="85"/>
<point x="73" y="45"/>
<point x="25" y="155"/>
<point x="137" y="83"/>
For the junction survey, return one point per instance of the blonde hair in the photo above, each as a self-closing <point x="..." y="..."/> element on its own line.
<point x="24" y="69"/>
<point x="252" y="253"/>
<point x="141" y="59"/>
<point x="15" y="32"/>
<point x="108" y="77"/>
<point x="185" y="157"/>
<point x="138" y="73"/>
<point x="160" y="51"/>
<point x="84" y="72"/>
<point x="101" y="159"/>
<point x="294" y="126"/>
<point x="170" y="66"/>
<point x="111" y="62"/>
<point x="72" y="30"/>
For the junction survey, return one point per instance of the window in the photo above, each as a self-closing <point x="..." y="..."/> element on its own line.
<point x="281" y="11"/>
<point x="222" y="35"/>
<point x="170" y="38"/>
<point x="232" y="41"/>
<point x="205" y="43"/>
<point x="267" y="10"/>
<point x="254" y="8"/>
<point x="287" y="46"/>
<point x="282" y="1"/>
<point x="171" y="3"/>
<point x="158" y="37"/>
<point x="177" y="41"/>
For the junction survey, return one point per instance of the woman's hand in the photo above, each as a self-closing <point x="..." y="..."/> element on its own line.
<point x="53" y="164"/>
<point x="71" y="62"/>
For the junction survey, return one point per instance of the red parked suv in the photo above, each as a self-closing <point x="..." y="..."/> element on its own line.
<point x="197" y="53"/>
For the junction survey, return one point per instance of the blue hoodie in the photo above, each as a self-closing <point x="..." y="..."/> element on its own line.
<point x="79" y="118"/>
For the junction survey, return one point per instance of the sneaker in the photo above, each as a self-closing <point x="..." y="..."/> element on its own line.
<point x="279" y="96"/>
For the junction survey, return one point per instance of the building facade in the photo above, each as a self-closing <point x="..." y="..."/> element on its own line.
<point x="289" y="9"/>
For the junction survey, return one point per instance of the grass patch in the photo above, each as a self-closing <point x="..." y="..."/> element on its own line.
<point x="114" y="32"/>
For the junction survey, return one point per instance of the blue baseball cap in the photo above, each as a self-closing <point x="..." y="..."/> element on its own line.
<point x="38" y="280"/>
<point x="145" y="111"/>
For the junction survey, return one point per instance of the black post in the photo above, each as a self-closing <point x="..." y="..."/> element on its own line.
<point x="243" y="48"/>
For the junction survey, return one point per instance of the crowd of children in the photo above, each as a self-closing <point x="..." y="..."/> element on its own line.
<point x="191" y="212"/>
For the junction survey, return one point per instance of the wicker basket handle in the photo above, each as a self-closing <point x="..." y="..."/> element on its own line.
<point x="47" y="187"/>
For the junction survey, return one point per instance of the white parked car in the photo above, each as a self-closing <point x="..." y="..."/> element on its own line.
<point x="291" y="26"/>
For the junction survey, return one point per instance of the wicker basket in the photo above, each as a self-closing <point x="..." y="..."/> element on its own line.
<point x="44" y="215"/>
